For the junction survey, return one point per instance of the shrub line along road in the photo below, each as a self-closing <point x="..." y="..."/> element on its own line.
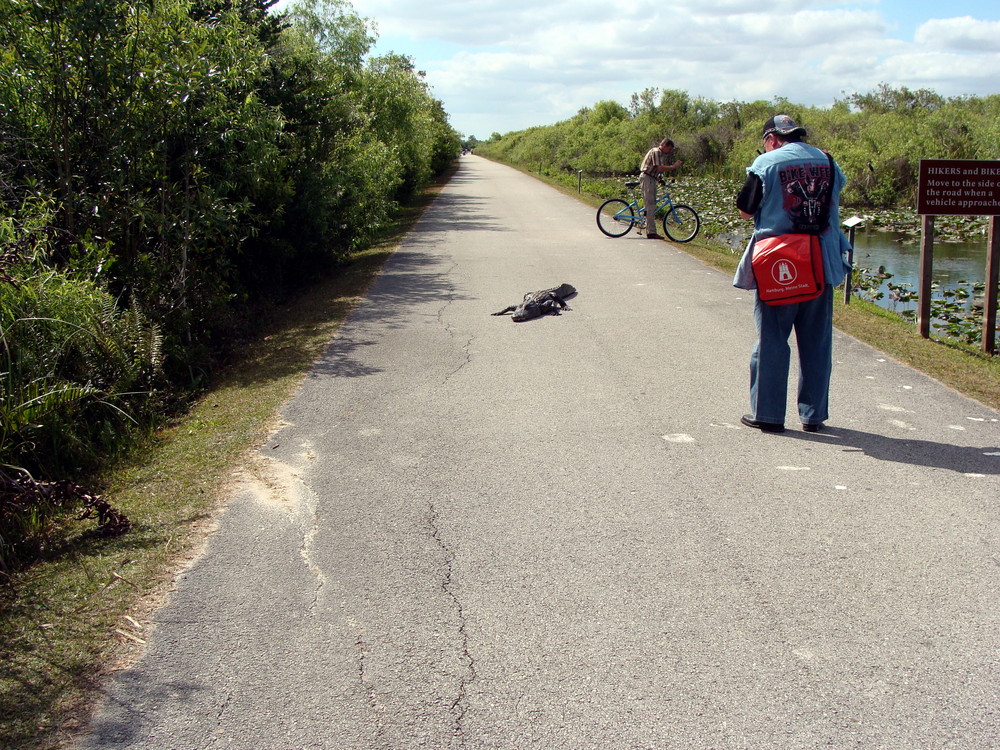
<point x="556" y="534"/>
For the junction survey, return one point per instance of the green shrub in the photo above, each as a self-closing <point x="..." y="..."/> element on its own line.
<point x="78" y="374"/>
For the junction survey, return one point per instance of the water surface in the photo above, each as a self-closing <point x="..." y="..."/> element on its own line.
<point x="954" y="264"/>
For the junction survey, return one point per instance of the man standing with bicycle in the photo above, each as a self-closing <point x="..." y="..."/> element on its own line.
<point x="653" y="164"/>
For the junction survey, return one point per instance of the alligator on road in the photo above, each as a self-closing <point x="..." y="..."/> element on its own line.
<point x="536" y="304"/>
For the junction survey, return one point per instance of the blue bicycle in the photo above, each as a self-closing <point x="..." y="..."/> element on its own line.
<point x="617" y="217"/>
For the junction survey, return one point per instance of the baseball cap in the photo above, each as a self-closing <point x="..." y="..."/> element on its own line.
<point x="782" y="125"/>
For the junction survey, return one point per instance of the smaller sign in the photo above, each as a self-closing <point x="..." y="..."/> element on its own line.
<point x="959" y="187"/>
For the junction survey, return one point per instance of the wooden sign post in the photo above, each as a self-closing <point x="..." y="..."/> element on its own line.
<point x="926" y="268"/>
<point x="959" y="187"/>
<point x="992" y="281"/>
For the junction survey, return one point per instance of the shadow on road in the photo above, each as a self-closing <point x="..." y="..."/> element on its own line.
<point x="147" y="700"/>
<point x="338" y="362"/>
<point x="454" y="212"/>
<point x="964" y="460"/>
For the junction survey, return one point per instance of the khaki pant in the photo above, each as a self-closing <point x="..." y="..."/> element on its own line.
<point x="648" y="185"/>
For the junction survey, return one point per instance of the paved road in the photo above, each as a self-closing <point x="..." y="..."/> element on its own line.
<point x="556" y="534"/>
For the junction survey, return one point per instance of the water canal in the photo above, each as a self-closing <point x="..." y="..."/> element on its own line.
<point x="955" y="264"/>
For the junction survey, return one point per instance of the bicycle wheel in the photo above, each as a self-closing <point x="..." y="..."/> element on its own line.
<point x="681" y="223"/>
<point x="615" y="218"/>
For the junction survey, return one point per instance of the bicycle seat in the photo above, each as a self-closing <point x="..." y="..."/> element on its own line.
<point x="631" y="183"/>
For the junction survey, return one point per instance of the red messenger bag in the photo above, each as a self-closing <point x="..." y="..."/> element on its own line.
<point x="788" y="268"/>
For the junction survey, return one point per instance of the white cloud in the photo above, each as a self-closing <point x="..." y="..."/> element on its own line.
<point x="501" y="65"/>
<point x="936" y="70"/>
<point x="963" y="34"/>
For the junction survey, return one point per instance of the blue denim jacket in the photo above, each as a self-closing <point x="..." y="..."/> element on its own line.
<point x="779" y="167"/>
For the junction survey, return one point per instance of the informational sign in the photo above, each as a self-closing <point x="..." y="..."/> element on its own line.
<point x="958" y="187"/>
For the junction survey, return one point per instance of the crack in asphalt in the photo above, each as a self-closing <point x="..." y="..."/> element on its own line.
<point x="458" y="705"/>
<point x="310" y="501"/>
<point x="377" y="708"/>
<point x="218" y="737"/>
<point x="467" y="348"/>
<point x="450" y="330"/>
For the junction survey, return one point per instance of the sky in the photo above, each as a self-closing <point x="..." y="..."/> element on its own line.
<point x="506" y="65"/>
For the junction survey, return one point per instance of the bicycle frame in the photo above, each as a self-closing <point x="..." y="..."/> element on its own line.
<point x="661" y="203"/>
<point x="617" y="217"/>
<point x="639" y="210"/>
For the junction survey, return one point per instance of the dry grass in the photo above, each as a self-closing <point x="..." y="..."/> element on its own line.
<point x="84" y="610"/>
<point x="960" y="367"/>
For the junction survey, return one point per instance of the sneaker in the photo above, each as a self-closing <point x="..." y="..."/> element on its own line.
<point x="813" y="427"/>
<point x="762" y="426"/>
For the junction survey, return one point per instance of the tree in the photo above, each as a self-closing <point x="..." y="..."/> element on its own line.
<point x="888" y="99"/>
<point x="607" y="112"/>
<point x="144" y="126"/>
<point x="644" y="102"/>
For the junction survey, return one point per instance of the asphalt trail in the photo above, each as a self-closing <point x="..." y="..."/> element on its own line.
<point x="556" y="534"/>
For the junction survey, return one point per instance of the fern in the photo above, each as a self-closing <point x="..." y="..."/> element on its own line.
<point x="76" y="370"/>
<point x="37" y="400"/>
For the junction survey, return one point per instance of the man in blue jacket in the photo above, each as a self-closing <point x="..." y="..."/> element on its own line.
<point x="792" y="188"/>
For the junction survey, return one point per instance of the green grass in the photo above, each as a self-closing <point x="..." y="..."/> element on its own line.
<point x="963" y="368"/>
<point x="84" y="610"/>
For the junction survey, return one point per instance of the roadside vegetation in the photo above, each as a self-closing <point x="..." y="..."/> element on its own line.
<point x="878" y="138"/>
<point x="194" y="194"/>
<point x="170" y="173"/>
<point x="176" y="179"/>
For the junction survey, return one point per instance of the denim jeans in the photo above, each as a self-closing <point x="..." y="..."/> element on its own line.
<point x="813" y="325"/>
